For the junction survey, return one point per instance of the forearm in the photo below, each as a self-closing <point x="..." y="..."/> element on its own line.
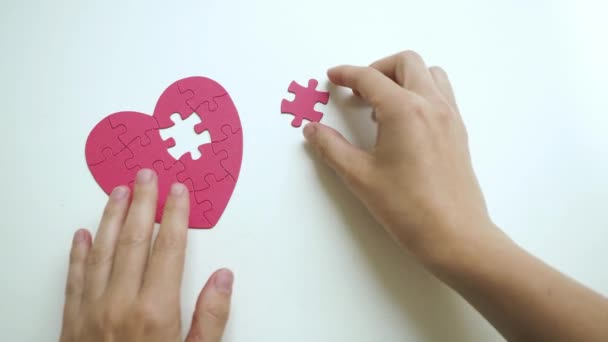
<point x="525" y="299"/>
<point x="418" y="176"/>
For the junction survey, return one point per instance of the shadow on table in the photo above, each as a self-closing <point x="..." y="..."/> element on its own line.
<point x="429" y="306"/>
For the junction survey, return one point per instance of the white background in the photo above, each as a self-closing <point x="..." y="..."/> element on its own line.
<point x="310" y="263"/>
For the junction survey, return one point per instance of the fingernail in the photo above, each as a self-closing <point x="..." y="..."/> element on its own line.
<point x="177" y="189"/>
<point x="80" y="236"/>
<point x="223" y="280"/>
<point x="145" y="176"/>
<point x="310" y="130"/>
<point x="119" y="193"/>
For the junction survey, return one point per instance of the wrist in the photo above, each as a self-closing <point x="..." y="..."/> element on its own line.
<point x="459" y="249"/>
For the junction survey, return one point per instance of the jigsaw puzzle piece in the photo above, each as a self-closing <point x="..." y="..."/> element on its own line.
<point x="233" y="146"/>
<point x="114" y="168"/>
<point x="197" y="213"/>
<point x="195" y="170"/>
<point x="217" y="190"/>
<point x="227" y="132"/>
<point x="309" y="94"/>
<point x="144" y="156"/>
<point x="212" y="121"/>
<point x="106" y="138"/>
<point x="204" y="91"/>
<point x="303" y="106"/>
<point x="173" y="100"/>
<point x="134" y="125"/>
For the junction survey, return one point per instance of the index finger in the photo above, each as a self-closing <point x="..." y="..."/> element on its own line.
<point x="164" y="273"/>
<point x="373" y="86"/>
<point x="408" y="70"/>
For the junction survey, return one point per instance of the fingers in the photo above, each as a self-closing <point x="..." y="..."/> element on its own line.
<point x="408" y="70"/>
<point x="164" y="273"/>
<point x="368" y="82"/>
<point x="81" y="244"/>
<point x="101" y="256"/>
<point x="440" y="77"/>
<point x="349" y="162"/>
<point x="212" y="308"/>
<point x="133" y="245"/>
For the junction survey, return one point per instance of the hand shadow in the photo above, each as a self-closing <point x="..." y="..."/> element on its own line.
<point x="431" y="308"/>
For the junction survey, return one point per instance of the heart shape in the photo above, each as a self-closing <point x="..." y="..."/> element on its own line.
<point x="125" y="142"/>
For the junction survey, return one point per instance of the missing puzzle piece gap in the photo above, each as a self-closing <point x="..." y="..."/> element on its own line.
<point x="189" y="141"/>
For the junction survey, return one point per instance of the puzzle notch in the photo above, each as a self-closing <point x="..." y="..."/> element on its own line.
<point x="198" y="213"/>
<point x="173" y="100"/>
<point x="148" y="154"/>
<point x="204" y="92"/>
<point x="213" y="120"/>
<point x="210" y="163"/>
<point x="302" y="107"/>
<point x="140" y="124"/>
<point x="97" y="146"/>
<point x="222" y="187"/>
<point x="111" y="163"/>
<point x="230" y="145"/>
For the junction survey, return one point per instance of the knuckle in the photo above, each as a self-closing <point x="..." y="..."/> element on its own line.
<point x="99" y="257"/>
<point x="169" y="208"/>
<point x="409" y="55"/>
<point x="216" y="312"/>
<point x="443" y="110"/>
<point x="130" y="239"/>
<point x="437" y="70"/>
<point x="144" y="198"/>
<point x="444" y="119"/>
<point x="173" y="209"/>
<point x="362" y="76"/>
<point x="194" y="336"/>
<point x="143" y="190"/>
<point x="415" y="105"/>
<point x="110" y="210"/>
<point x="73" y="287"/>
<point x="148" y="314"/>
<point x="142" y="203"/>
<point x="168" y="243"/>
<point x="380" y="99"/>
<point x="76" y="257"/>
<point x="109" y="319"/>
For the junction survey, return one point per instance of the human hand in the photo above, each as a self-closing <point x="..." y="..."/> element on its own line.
<point x="117" y="290"/>
<point x="417" y="181"/>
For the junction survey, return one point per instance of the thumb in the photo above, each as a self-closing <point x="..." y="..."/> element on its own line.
<point x="350" y="162"/>
<point x="212" y="308"/>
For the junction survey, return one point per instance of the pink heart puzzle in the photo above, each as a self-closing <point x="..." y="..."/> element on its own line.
<point x="125" y="142"/>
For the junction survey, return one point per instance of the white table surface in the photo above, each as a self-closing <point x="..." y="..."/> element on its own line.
<point x="310" y="263"/>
